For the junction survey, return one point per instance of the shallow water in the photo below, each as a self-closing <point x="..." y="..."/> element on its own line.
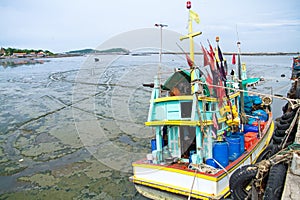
<point x="71" y="127"/>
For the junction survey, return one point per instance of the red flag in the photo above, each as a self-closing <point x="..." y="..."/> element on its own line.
<point x="215" y="121"/>
<point x="211" y="49"/>
<point x="211" y="62"/>
<point x="221" y="94"/>
<point x="215" y="126"/>
<point x="233" y="59"/>
<point x="189" y="60"/>
<point x="209" y="81"/>
<point x="205" y="56"/>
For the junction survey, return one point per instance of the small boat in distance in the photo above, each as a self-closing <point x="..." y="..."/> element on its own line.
<point x="206" y="125"/>
<point x="296" y="67"/>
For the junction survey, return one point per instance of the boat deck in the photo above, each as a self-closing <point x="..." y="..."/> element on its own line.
<point x="183" y="167"/>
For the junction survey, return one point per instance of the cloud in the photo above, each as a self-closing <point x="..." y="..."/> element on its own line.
<point x="62" y="25"/>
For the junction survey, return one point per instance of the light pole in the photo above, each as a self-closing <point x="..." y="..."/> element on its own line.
<point x="160" y="51"/>
<point x="161" y="27"/>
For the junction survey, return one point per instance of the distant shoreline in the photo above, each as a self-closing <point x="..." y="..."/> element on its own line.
<point x="196" y="53"/>
<point x="8" y="61"/>
<point x="12" y="61"/>
<point x="243" y="54"/>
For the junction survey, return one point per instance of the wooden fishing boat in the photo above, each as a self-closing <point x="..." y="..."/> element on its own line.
<point x="296" y="68"/>
<point x="206" y="126"/>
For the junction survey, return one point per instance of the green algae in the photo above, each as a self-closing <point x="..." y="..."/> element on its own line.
<point x="3" y="158"/>
<point x="41" y="194"/>
<point x="42" y="148"/>
<point x="9" y="168"/>
<point x="88" y="179"/>
<point x="67" y="135"/>
<point x="42" y="180"/>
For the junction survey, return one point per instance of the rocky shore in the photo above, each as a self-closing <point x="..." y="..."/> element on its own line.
<point x="13" y="62"/>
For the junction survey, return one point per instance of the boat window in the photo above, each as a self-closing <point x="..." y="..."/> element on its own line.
<point x="206" y="106"/>
<point x="165" y="135"/>
<point x="187" y="140"/>
<point x="213" y="107"/>
<point x="186" y="109"/>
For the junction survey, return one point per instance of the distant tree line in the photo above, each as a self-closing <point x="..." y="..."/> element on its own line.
<point x="10" y="51"/>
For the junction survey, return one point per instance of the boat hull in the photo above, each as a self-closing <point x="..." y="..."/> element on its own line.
<point x="179" y="181"/>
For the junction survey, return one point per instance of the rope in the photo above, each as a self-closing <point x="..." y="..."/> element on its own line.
<point x="235" y="89"/>
<point x="193" y="184"/>
<point x="289" y="130"/>
<point x="251" y="92"/>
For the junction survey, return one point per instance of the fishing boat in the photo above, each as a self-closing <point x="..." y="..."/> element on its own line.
<point x="206" y="126"/>
<point x="296" y="67"/>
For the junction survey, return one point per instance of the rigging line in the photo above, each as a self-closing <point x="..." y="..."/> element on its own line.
<point x="190" y="194"/>
<point x="289" y="130"/>
<point x="257" y="93"/>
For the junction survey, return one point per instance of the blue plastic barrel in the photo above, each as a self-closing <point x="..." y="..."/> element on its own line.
<point x="234" y="147"/>
<point x="221" y="153"/>
<point x="250" y="128"/>
<point x="261" y="114"/>
<point x="242" y="141"/>
<point x="153" y="144"/>
<point x="211" y="162"/>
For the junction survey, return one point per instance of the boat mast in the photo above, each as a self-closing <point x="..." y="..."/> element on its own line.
<point x="240" y="82"/>
<point x="191" y="36"/>
<point x="195" y="75"/>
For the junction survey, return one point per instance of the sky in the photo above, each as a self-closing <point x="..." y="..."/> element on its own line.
<point x="63" y="25"/>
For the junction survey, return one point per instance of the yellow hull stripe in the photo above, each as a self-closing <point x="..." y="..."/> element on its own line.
<point x="189" y="173"/>
<point x="171" y="188"/>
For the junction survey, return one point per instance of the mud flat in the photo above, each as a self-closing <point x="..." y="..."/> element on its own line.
<point x="70" y="128"/>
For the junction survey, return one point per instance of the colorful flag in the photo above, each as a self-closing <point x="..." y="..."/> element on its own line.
<point x="233" y="59"/>
<point x="215" y="126"/>
<point x="223" y="72"/>
<point x="215" y="121"/>
<point x="205" y="56"/>
<point x="225" y="67"/>
<point x="194" y="16"/>
<point x="189" y="60"/>
<point x="221" y="60"/>
<point x="211" y="49"/>
<point x="221" y="93"/>
<point x="220" y="55"/>
<point x="209" y="81"/>
<point x="211" y="62"/>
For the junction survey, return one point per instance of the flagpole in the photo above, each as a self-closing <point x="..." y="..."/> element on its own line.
<point x="240" y="81"/>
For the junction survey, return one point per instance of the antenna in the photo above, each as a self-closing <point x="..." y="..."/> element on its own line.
<point x="237" y="32"/>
